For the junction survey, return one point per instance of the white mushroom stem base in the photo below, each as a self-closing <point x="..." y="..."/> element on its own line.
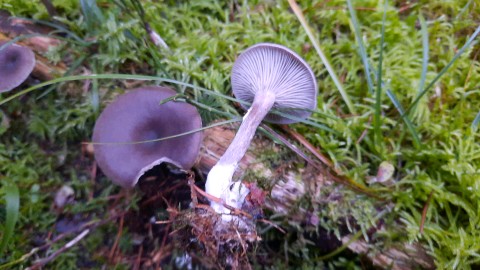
<point x="219" y="180"/>
<point x="219" y="184"/>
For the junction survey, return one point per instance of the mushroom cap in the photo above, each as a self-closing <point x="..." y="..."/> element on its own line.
<point x="16" y="63"/>
<point x="138" y="116"/>
<point x="275" y="68"/>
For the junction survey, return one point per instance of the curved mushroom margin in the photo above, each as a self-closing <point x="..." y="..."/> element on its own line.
<point x="138" y="116"/>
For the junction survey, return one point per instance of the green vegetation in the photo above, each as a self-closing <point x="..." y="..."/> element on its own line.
<point x="409" y="69"/>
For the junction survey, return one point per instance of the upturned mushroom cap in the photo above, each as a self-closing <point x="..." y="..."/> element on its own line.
<point x="275" y="68"/>
<point x="16" y="63"/>
<point x="138" y="116"/>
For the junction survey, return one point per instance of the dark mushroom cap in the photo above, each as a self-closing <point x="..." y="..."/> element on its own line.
<point x="272" y="67"/>
<point x="138" y="116"/>
<point x="16" y="63"/>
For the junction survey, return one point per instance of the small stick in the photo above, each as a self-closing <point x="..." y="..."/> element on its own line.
<point x="165" y="191"/>
<point x="273" y="225"/>
<point x="365" y="132"/>
<point x="308" y="145"/>
<point x="93" y="176"/>
<point x="163" y="221"/>
<point x="338" y="178"/>
<point x="424" y="211"/>
<point x="117" y="239"/>
<point x="68" y="245"/>
<point x="139" y="258"/>
<point x="205" y="207"/>
<point x="50" y="8"/>
<point x="88" y="226"/>
<point x="191" y="183"/>
<point x="241" y="243"/>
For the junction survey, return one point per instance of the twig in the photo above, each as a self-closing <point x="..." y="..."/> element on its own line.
<point x="136" y="266"/>
<point x="89" y="225"/>
<point x="288" y="144"/>
<point x="117" y="239"/>
<point x="50" y="8"/>
<point x="191" y="183"/>
<point x="159" y="195"/>
<point x="241" y="243"/>
<point x="308" y="146"/>
<point x="424" y="211"/>
<point x="273" y="225"/>
<point x="404" y="8"/>
<point x="68" y="245"/>
<point x="93" y="176"/>
<point x="338" y="177"/>
<point x="21" y="259"/>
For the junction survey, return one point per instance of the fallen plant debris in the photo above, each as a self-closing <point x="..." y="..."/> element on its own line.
<point x="288" y="191"/>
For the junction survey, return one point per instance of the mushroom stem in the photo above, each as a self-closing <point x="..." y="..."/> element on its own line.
<point x="219" y="179"/>
<point x="262" y="104"/>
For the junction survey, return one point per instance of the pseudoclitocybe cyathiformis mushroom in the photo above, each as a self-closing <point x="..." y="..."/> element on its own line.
<point x="16" y="63"/>
<point x="139" y="116"/>
<point x="267" y="76"/>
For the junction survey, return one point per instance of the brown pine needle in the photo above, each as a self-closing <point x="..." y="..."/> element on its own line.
<point x="424" y="211"/>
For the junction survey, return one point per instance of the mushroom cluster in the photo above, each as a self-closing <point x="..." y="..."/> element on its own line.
<point x="124" y="125"/>
<point x="268" y="76"/>
<point x="16" y="64"/>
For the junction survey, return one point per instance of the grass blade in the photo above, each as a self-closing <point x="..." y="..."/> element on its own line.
<point x="150" y="78"/>
<point x="361" y="47"/>
<point x="12" y="203"/>
<point x="476" y="122"/>
<point x="239" y="119"/>
<point x="93" y="14"/>
<point x="298" y="12"/>
<point x="426" y="48"/>
<point x="445" y="69"/>
<point x="113" y="77"/>
<point x="411" y="128"/>
<point x="94" y="94"/>
<point x="377" y="123"/>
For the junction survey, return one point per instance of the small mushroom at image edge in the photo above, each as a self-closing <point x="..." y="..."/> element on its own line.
<point x="16" y="64"/>
<point x="269" y="76"/>
<point x="138" y="116"/>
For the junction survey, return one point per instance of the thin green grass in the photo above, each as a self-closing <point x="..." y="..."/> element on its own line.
<point x="95" y="100"/>
<point x="425" y="50"/>
<point x="367" y="69"/>
<point x="467" y="45"/>
<point x="326" y="63"/>
<point x="476" y="122"/>
<point x="221" y="123"/>
<point x="361" y="47"/>
<point x="378" y="93"/>
<point x="12" y="207"/>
